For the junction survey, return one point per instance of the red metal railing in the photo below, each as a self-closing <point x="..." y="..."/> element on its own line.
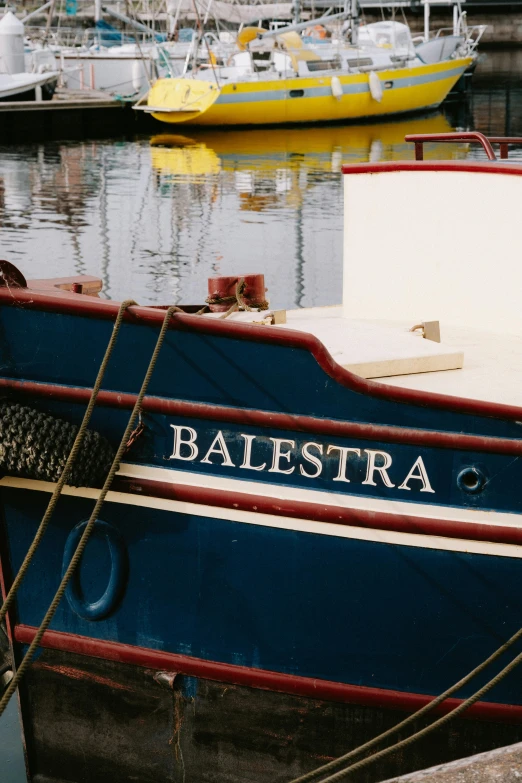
<point x="504" y="142"/>
<point x="471" y="136"/>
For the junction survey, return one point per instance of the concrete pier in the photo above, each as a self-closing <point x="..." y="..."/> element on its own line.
<point x="503" y="765"/>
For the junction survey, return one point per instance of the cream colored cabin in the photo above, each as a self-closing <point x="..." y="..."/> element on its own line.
<point x="428" y="244"/>
<point x="444" y="245"/>
<point x="436" y="247"/>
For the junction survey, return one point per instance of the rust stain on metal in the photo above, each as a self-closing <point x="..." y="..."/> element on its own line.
<point x="79" y="674"/>
<point x="175" y="740"/>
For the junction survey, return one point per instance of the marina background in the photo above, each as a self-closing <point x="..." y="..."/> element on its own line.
<point x="154" y="216"/>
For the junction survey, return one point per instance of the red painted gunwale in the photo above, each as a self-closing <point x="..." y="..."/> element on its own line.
<point x="91" y="307"/>
<point x="259" y="678"/>
<point x="258" y="418"/>
<point x="315" y="512"/>
<point x="470" y="167"/>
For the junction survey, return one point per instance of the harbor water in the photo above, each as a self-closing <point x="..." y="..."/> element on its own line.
<point x="155" y="216"/>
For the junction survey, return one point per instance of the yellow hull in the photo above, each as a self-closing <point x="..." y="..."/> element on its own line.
<point x="303" y="99"/>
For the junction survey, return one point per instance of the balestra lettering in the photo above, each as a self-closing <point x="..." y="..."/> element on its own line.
<point x="367" y="467"/>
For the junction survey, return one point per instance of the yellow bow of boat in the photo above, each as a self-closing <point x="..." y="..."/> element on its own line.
<point x="187" y="99"/>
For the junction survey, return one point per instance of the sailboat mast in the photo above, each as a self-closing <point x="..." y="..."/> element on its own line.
<point x="354" y="19"/>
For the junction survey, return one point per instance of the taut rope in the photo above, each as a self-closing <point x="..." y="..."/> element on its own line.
<point x="95" y="513"/>
<point x="68" y="465"/>
<point x="339" y="763"/>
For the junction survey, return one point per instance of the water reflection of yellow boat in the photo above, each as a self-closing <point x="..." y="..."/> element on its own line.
<point x="269" y="164"/>
<point x="183" y="156"/>
<point x="205" y="151"/>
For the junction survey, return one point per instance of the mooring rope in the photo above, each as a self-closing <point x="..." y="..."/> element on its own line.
<point x="339" y="763"/>
<point x="237" y="300"/>
<point x="428" y="729"/>
<point x="92" y="519"/>
<point x="68" y="465"/>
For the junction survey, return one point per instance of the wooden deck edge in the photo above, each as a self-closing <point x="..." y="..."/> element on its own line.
<point x="23" y="106"/>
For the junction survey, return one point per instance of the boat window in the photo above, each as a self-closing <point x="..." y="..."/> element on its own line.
<point x="324" y="65"/>
<point x="359" y="62"/>
<point x="296" y="93"/>
<point x="261" y="61"/>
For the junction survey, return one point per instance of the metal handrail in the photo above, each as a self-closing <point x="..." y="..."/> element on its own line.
<point x="472" y="136"/>
<point x="504" y="142"/>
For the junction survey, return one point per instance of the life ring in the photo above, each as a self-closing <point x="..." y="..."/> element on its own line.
<point x="97" y="610"/>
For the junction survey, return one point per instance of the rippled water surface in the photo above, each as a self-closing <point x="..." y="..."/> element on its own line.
<point x="155" y="216"/>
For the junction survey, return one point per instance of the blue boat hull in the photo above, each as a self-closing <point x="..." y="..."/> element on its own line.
<point x="343" y="610"/>
<point x="284" y="539"/>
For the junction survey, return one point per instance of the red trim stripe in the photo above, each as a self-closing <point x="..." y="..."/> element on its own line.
<point x="315" y="512"/>
<point x="91" y="307"/>
<point x="478" y="167"/>
<point x="283" y="421"/>
<point x="320" y="512"/>
<point x="259" y="678"/>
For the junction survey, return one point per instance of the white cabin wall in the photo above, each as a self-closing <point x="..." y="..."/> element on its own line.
<point x="122" y="75"/>
<point x="434" y="245"/>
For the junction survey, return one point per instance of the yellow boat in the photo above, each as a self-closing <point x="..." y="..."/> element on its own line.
<point x="294" y="85"/>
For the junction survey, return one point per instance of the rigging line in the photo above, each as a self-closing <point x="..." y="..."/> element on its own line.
<point x="68" y="465"/>
<point x="202" y="35"/>
<point x="143" y="59"/>
<point x="338" y="763"/>
<point x="92" y="519"/>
